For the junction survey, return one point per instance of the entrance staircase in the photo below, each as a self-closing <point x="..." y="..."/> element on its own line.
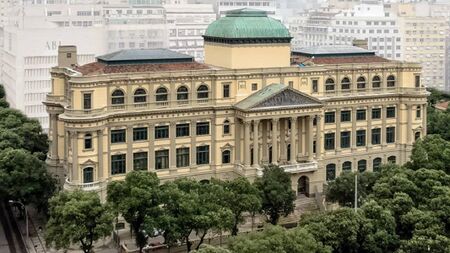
<point x="303" y="205"/>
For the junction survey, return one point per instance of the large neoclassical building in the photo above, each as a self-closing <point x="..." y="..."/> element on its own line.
<point x="316" y="112"/>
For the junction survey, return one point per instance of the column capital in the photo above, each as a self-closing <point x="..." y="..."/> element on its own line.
<point x="247" y="122"/>
<point x="294" y="119"/>
<point x="275" y="119"/>
<point x="256" y="121"/>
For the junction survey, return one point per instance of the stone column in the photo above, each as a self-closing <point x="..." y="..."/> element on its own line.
<point x="213" y="152"/>
<point x="75" y="172"/>
<point x="54" y="119"/>
<point x="424" y="120"/>
<point x="129" y="141"/>
<point x="300" y="138"/>
<point x="151" y="147"/>
<point x="409" y="125"/>
<point x="293" y="144"/>
<point x="247" y="143"/>
<point x="192" y="129"/>
<point x="173" y="147"/>
<point x="310" y="138"/>
<point x="255" y="143"/>
<point x="399" y="125"/>
<point x="275" y="141"/>
<point x="237" y="140"/>
<point x="319" y="141"/>
<point x="282" y="131"/>
<point x="338" y="130"/>
<point x="383" y="125"/>
<point x="353" y="135"/>
<point x="100" y="155"/>
<point x="369" y="127"/>
<point x="264" y="155"/>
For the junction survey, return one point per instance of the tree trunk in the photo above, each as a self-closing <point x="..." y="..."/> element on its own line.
<point x="274" y="218"/>
<point x="201" y="239"/>
<point x="188" y="244"/>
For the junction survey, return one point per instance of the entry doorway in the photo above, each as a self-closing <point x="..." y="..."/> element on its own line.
<point x="303" y="186"/>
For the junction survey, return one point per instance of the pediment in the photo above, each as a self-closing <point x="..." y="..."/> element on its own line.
<point x="287" y="98"/>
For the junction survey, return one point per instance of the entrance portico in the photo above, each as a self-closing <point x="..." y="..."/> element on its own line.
<point x="273" y="119"/>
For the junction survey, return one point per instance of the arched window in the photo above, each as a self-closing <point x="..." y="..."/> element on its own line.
<point x="140" y="96"/>
<point x="87" y="141"/>
<point x="161" y="94"/>
<point x="392" y="159"/>
<point x="345" y="83"/>
<point x="347" y="167"/>
<point x="226" y="127"/>
<point x="226" y="156"/>
<point x="329" y="84"/>
<point x="390" y="81"/>
<point x="118" y="97"/>
<point x="182" y="93"/>
<point x="202" y="92"/>
<point x="88" y="175"/>
<point x="376" y="82"/>
<point x="376" y="165"/>
<point x="331" y="171"/>
<point x="417" y="136"/>
<point x="361" y="82"/>
<point x="362" y="165"/>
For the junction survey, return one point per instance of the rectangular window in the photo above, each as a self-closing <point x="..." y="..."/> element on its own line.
<point x="182" y="157"/>
<point x="329" y="141"/>
<point x="376" y="136"/>
<point x="226" y="90"/>
<point x="315" y="85"/>
<point x="140" y="161"/>
<point x="390" y="134"/>
<point x="162" y="159"/>
<point x="118" y="164"/>
<point x="330" y="117"/>
<point x="390" y="112"/>
<point x="140" y="134"/>
<point x="417" y="79"/>
<point x="161" y="132"/>
<point x="418" y="112"/>
<point x="182" y="130"/>
<point x="345" y="139"/>
<point x="87" y="101"/>
<point x="346" y="116"/>
<point x="361" y="138"/>
<point x="118" y="136"/>
<point x="254" y="86"/>
<point x="203" y="155"/>
<point x="202" y="128"/>
<point x="376" y="113"/>
<point x="361" y="114"/>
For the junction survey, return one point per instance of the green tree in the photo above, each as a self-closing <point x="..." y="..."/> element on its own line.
<point x="2" y="91"/>
<point x="30" y="132"/>
<point x="276" y="193"/>
<point x="337" y="229"/>
<point x="240" y="196"/>
<point x="431" y="152"/>
<point x="279" y="240"/>
<point x="211" y="249"/>
<point x="24" y="177"/>
<point x="137" y="198"/>
<point x="4" y="103"/>
<point x="342" y="189"/>
<point x="192" y="207"/>
<point x="77" y="217"/>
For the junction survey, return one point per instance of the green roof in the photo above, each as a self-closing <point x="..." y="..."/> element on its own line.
<point x="247" y="23"/>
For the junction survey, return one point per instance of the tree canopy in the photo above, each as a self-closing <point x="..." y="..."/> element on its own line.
<point x="25" y="178"/>
<point x="77" y="217"/>
<point x="276" y="193"/>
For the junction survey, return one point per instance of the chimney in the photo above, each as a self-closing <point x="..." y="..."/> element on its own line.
<point x="361" y="43"/>
<point x="67" y="56"/>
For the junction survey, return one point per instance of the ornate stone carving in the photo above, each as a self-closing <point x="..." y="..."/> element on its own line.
<point x="287" y="98"/>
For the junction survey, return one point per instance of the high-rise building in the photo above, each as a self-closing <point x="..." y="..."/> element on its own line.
<point x="316" y="112"/>
<point x="33" y="30"/>
<point x="270" y="6"/>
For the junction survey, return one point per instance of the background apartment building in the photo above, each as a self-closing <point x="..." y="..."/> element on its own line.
<point x="33" y="30"/>
<point x="411" y="32"/>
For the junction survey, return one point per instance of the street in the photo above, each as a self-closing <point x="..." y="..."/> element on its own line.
<point x="10" y="239"/>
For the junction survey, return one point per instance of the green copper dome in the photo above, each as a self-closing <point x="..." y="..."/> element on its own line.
<point x="247" y="24"/>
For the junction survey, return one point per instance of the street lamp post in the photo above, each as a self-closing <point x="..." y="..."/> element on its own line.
<point x="356" y="192"/>
<point x="26" y="216"/>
